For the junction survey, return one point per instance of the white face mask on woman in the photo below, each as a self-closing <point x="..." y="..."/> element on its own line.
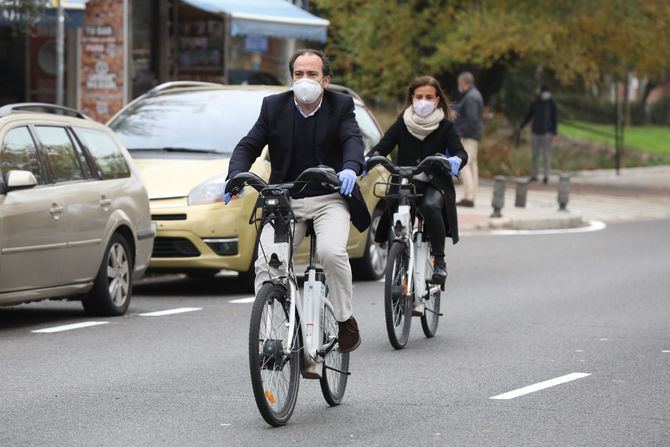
<point x="307" y="90"/>
<point x="545" y="96"/>
<point x="423" y="107"/>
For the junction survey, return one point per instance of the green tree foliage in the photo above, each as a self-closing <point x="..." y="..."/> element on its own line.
<point x="379" y="45"/>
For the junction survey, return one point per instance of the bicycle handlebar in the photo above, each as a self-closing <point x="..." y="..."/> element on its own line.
<point x="431" y="163"/>
<point x="326" y="176"/>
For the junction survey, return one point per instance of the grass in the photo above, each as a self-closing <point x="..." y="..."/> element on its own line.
<point x="652" y="139"/>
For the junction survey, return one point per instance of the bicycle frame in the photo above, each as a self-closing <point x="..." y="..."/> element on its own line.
<point x="410" y="232"/>
<point x="308" y="309"/>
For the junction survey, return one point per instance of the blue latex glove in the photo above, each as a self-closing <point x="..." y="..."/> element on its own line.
<point x="455" y="163"/>
<point x="227" y="197"/>
<point x="347" y="179"/>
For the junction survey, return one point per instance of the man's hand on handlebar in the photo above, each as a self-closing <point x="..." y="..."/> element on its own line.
<point x="228" y="196"/>
<point x="347" y="179"/>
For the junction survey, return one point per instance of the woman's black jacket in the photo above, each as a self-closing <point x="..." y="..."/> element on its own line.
<point x="411" y="150"/>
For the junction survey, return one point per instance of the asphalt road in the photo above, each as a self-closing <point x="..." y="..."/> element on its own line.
<point x="519" y="310"/>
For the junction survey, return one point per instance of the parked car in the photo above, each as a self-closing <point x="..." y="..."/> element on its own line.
<point x="74" y="212"/>
<point x="250" y="77"/>
<point x="181" y="136"/>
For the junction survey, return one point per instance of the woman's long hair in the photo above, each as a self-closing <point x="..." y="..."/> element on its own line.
<point x="428" y="80"/>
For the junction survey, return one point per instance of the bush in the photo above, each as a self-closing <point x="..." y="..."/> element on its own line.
<point x="659" y="112"/>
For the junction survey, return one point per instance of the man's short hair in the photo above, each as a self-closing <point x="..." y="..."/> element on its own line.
<point x="467" y="77"/>
<point x="325" y="63"/>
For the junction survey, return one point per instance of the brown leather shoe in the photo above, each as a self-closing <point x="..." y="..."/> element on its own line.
<point x="347" y="335"/>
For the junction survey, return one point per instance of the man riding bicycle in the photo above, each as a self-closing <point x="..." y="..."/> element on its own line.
<point x="305" y="127"/>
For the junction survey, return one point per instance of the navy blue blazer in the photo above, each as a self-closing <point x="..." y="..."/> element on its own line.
<point x="338" y="142"/>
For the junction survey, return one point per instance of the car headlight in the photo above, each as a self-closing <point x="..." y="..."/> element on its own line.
<point x="207" y="192"/>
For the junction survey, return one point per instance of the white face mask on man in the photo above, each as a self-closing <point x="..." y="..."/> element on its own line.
<point x="545" y="95"/>
<point x="423" y="107"/>
<point x="307" y="90"/>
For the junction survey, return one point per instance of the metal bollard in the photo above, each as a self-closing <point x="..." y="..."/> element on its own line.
<point x="563" y="191"/>
<point x="498" y="195"/>
<point x="521" y="192"/>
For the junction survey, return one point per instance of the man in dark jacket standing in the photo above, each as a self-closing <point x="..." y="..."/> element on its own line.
<point x="306" y="127"/>
<point x="545" y="120"/>
<point x="469" y="127"/>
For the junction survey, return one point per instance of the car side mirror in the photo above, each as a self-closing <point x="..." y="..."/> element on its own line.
<point x="20" y="180"/>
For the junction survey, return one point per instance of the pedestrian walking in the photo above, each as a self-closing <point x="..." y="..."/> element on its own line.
<point x="543" y="113"/>
<point x="469" y="125"/>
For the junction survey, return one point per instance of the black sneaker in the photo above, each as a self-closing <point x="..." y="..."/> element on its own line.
<point x="347" y="335"/>
<point x="439" y="272"/>
<point x="545" y="180"/>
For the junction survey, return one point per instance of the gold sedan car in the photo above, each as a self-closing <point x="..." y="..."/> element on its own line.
<point x="181" y="136"/>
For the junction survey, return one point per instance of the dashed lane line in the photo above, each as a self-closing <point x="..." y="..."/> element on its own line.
<point x="540" y="386"/>
<point x="68" y="327"/>
<point x="161" y="313"/>
<point x="251" y="299"/>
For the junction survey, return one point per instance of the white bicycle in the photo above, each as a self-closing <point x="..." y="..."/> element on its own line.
<point x="290" y="334"/>
<point x="408" y="288"/>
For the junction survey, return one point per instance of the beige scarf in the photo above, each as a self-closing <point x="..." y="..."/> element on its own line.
<point x="422" y="127"/>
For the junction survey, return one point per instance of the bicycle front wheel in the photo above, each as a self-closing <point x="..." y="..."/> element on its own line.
<point x="275" y="375"/>
<point x="397" y="299"/>
<point x="335" y="363"/>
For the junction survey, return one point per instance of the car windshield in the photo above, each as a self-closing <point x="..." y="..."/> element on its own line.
<point x="197" y="121"/>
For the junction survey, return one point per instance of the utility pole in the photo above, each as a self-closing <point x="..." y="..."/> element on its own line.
<point x="60" y="53"/>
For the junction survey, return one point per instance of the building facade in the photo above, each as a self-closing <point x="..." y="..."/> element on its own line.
<point x="116" y="50"/>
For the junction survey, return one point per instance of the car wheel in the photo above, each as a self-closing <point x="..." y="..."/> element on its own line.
<point x="246" y="280"/>
<point x="113" y="285"/>
<point x="373" y="263"/>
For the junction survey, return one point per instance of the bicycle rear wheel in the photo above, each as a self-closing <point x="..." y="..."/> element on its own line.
<point x="335" y="364"/>
<point x="397" y="299"/>
<point x="275" y="375"/>
<point x="431" y="315"/>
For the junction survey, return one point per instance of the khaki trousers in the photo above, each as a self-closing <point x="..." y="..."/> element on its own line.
<point x="330" y="215"/>
<point x="470" y="173"/>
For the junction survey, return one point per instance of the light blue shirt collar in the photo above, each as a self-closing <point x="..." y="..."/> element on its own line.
<point x="297" y="106"/>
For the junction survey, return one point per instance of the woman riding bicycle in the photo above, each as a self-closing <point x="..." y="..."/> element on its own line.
<point x="422" y="130"/>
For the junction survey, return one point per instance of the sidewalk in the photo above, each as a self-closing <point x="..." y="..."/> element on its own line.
<point x="636" y="194"/>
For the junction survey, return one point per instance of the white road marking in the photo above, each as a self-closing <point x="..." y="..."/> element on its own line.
<point x="540" y="386"/>
<point x="604" y="339"/>
<point x="251" y="299"/>
<point x="593" y="225"/>
<point x="179" y="310"/>
<point x="579" y="350"/>
<point x="666" y="351"/>
<point x="68" y="327"/>
<point x="225" y="425"/>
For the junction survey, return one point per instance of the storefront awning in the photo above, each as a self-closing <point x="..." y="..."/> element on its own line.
<point x="73" y="12"/>
<point x="269" y="18"/>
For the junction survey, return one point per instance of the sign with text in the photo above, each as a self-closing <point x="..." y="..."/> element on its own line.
<point x="103" y="59"/>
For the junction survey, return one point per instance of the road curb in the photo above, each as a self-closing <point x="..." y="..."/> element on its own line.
<point x="540" y="221"/>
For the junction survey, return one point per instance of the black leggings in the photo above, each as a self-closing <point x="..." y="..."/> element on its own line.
<point x="431" y="208"/>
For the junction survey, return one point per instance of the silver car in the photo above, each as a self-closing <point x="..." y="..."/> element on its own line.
<point x="74" y="213"/>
